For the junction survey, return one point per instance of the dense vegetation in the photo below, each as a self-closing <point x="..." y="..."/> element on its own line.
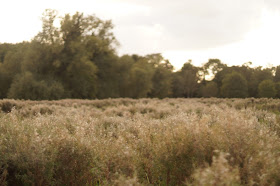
<point x="140" y="142"/>
<point x="78" y="59"/>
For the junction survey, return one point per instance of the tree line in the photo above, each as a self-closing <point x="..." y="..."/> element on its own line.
<point x="78" y="59"/>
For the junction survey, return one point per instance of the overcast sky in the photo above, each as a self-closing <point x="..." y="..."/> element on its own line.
<point x="235" y="31"/>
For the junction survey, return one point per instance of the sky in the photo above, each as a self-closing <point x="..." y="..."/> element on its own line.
<point x="235" y="31"/>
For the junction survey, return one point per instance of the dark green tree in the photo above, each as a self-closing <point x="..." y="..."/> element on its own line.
<point x="185" y="81"/>
<point x="277" y="74"/>
<point x="210" y="90"/>
<point x="234" y="85"/>
<point x="73" y="53"/>
<point x="277" y="88"/>
<point x="267" y="89"/>
<point x="211" y="68"/>
<point x="189" y="79"/>
<point x="26" y="86"/>
<point x="162" y="77"/>
<point x="108" y="76"/>
<point x="11" y="66"/>
<point x="177" y="81"/>
<point x="125" y="64"/>
<point x="140" y="81"/>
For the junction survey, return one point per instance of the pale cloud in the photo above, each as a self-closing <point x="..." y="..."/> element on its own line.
<point x="199" y="24"/>
<point x="260" y="46"/>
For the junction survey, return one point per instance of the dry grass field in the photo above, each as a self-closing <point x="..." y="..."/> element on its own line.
<point x="140" y="142"/>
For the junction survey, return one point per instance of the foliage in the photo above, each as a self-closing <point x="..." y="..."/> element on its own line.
<point x="277" y="74"/>
<point x="77" y="52"/>
<point x="140" y="81"/>
<point x="185" y="82"/>
<point x="277" y="88"/>
<point x="267" y="89"/>
<point x="25" y="86"/>
<point x="210" y="90"/>
<point x="162" y="77"/>
<point x="234" y="86"/>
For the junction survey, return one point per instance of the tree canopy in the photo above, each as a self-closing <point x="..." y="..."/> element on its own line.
<point x="267" y="89"/>
<point x="234" y="85"/>
<point x="78" y="59"/>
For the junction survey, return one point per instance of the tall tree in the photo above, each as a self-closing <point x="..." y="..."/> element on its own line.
<point x="125" y="64"/>
<point x="267" y="89"/>
<point x="234" y="86"/>
<point x="189" y="79"/>
<point x="141" y="75"/>
<point x="185" y="81"/>
<point x="11" y="66"/>
<point x="277" y="74"/>
<point x="210" y="90"/>
<point x="277" y="88"/>
<point x="212" y="67"/>
<point x="162" y="77"/>
<point x="74" y="52"/>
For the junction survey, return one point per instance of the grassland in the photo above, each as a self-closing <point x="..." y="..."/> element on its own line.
<point x="140" y="142"/>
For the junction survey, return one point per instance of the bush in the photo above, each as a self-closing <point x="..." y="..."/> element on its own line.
<point x="7" y="105"/>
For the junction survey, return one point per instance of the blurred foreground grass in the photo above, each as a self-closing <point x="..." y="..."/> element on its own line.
<point x="140" y="142"/>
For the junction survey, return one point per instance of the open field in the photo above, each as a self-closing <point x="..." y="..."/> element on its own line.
<point x="140" y="142"/>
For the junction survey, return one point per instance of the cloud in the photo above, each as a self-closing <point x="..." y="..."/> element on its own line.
<point x="191" y="25"/>
<point x="272" y="4"/>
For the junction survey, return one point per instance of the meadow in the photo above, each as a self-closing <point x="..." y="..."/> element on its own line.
<point x="140" y="142"/>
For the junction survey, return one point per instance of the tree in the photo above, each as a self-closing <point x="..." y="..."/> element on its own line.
<point x="88" y="44"/>
<point x="267" y="89"/>
<point x="277" y="88"/>
<point x="177" y="88"/>
<point x="6" y="48"/>
<point x="140" y="82"/>
<point x="189" y="79"/>
<point x="277" y="74"/>
<point x="4" y="82"/>
<point x="108" y="76"/>
<point x="162" y="78"/>
<point x="69" y="54"/>
<point x="50" y="33"/>
<point x="185" y="81"/>
<point x="212" y="67"/>
<point x="80" y="79"/>
<point x="258" y="75"/>
<point x="12" y="65"/>
<point x="125" y="64"/>
<point x="234" y="85"/>
<point x="78" y="59"/>
<point x="263" y="74"/>
<point x="161" y="82"/>
<point x="25" y="86"/>
<point x="210" y="90"/>
<point x="73" y="53"/>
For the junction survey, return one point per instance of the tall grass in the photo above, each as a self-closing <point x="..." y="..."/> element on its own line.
<point x="140" y="142"/>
